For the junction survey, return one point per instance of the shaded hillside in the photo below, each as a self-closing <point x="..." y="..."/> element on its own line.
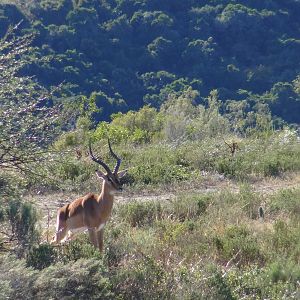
<point x="134" y="52"/>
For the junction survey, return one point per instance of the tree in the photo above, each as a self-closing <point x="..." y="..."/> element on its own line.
<point x="28" y="117"/>
<point x="28" y="124"/>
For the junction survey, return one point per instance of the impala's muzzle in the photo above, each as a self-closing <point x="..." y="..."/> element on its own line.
<point x="118" y="187"/>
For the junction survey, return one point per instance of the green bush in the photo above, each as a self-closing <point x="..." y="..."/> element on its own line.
<point x="72" y="170"/>
<point x="283" y="270"/>
<point x="44" y="255"/>
<point x="67" y="140"/>
<point x="188" y="206"/>
<point x="68" y="173"/>
<point x="175" y="232"/>
<point x="238" y="241"/>
<point x="141" y="277"/>
<point x="16" y="281"/>
<point x="123" y="242"/>
<point x="250" y="201"/>
<point x="78" y="248"/>
<point x="157" y="165"/>
<point x="159" y="174"/>
<point x="140" y="213"/>
<point x="276" y="281"/>
<point x="118" y="243"/>
<point x="287" y="200"/>
<point x="220" y="289"/>
<point x="271" y="166"/>
<point x="41" y="256"/>
<point x="263" y="157"/>
<point x="137" y="127"/>
<point x="22" y="217"/>
<point x="286" y="239"/>
<point x="82" y="279"/>
<point x="116" y="133"/>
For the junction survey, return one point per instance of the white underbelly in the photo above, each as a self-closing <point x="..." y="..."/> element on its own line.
<point x="77" y="230"/>
<point x="82" y="229"/>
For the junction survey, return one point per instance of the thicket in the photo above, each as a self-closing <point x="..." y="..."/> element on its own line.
<point x="183" y="141"/>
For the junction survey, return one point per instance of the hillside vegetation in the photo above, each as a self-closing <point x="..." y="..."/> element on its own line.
<point x="200" y="99"/>
<point x="130" y="53"/>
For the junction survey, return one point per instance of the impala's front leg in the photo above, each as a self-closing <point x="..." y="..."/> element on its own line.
<point x="100" y="234"/>
<point x="93" y="237"/>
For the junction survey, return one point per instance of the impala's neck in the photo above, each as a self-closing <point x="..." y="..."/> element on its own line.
<point x="107" y="193"/>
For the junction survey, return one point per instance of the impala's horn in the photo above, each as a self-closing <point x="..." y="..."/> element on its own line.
<point x="118" y="163"/>
<point x="97" y="160"/>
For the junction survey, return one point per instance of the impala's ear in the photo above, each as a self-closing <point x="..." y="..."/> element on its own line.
<point x="122" y="173"/>
<point x="100" y="175"/>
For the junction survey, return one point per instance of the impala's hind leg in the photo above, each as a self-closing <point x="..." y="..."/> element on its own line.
<point x="61" y="224"/>
<point x="60" y="235"/>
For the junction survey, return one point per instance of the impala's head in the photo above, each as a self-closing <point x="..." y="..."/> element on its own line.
<point x="111" y="178"/>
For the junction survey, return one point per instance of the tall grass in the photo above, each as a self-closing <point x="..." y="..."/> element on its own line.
<point x="196" y="246"/>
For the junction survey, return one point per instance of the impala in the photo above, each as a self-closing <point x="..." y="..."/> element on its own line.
<point x="92" y="211"/>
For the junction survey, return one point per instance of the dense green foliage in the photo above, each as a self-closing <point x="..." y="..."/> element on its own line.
<point x="134" y="52"/>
